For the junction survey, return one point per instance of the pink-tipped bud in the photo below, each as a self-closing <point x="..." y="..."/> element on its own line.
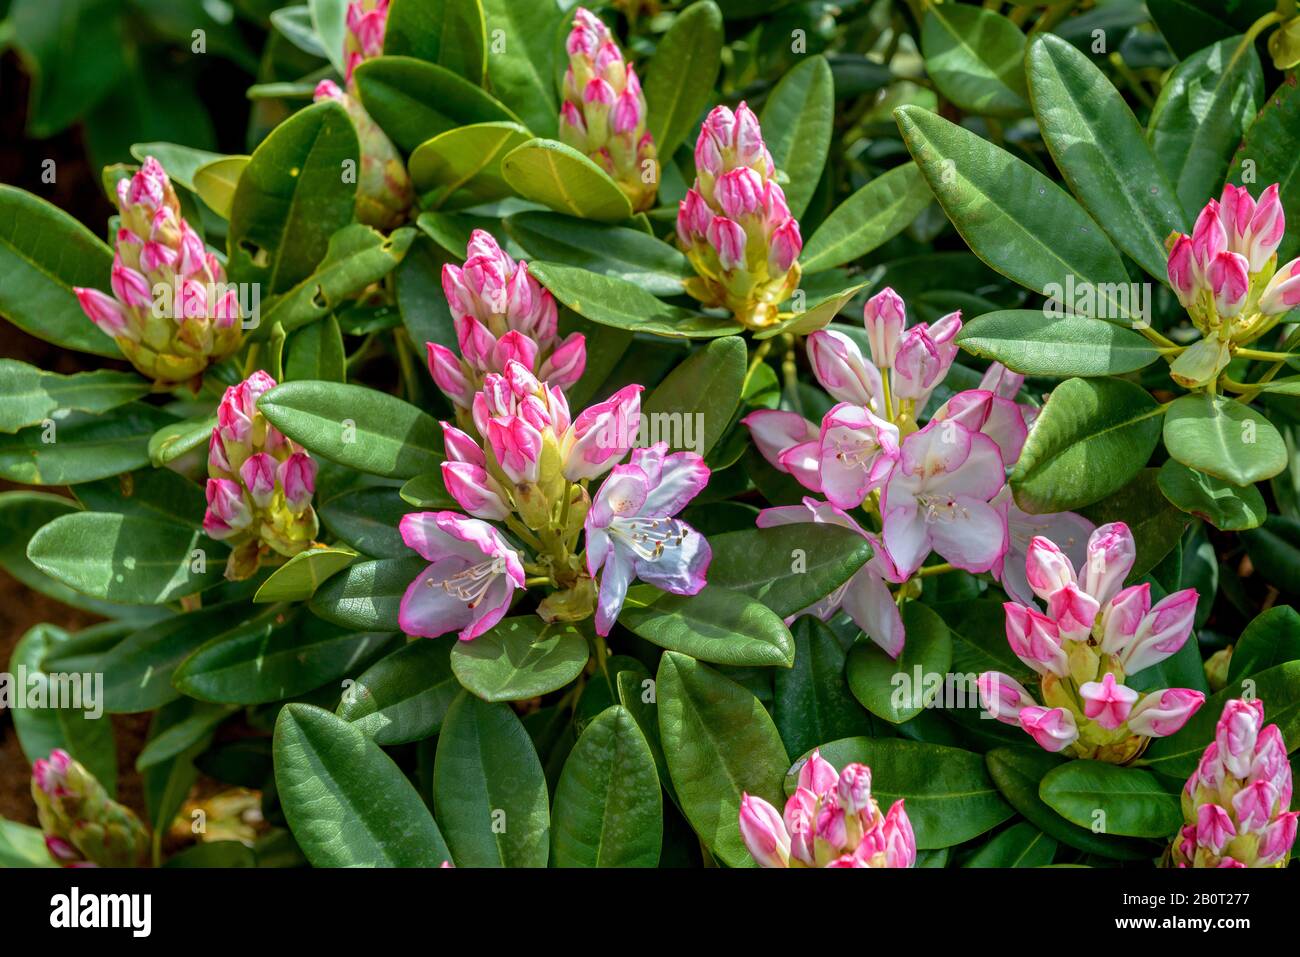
<point x="449" y="375"/>
<point x="839" y="366"/>
<point x="818" y="775"/>
<point x="1162" y="631"/>
<point x="1047" y="568"/>
<point x="728" y="240"/>
<point x="227" y="511"/>
<point x="854" y="788"/>
<point x="258" y="475"/>
<point x="764" y="832"/>
<point x="297" y="475"/>
<point x="1281" y="295"/>
<point x="461" y="447"/>
<point x="1052" y="728"/>
<point x="1237" y="734"/>
<point x="1110" y="556"/>
<point x="1229" y="278"/>
<point x="1122" y="617"/>
<point x="564" y="367"/>
<point x="1161" y="713"/>
<point x="1208" y="237"/>
<point x="785" y="246"/>
<point x="1107" y="702"/>
<point x="1182" y="271"/>
<point x="1002" y="697"/>
<point x="739" y="192"/>
<point x="477" y="492"/>
<point x="1035" y="640"/>
<point x="885" y="317"/>
<point x="104" y="311"/>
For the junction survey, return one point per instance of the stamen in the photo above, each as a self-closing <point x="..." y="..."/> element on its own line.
<point x="649" y="537"/>
<point x="941" y="509"/>
<point x="471" y="584"/>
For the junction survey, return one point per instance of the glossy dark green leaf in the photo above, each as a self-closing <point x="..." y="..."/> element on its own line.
<point x="947" y="793"/>
<point x="1021" y="845"/>
<point x="176" y="439"/>
<point x="1034" y="342"/>
<point x="719" y="743"/>
<point x="681" y="74"/>
<point x="355" y="426"/>
<point x="184" y="735"/>
<point x="866" y="220"/>
<point x="900" y="689"/>
<point x="797" y="120"/>
<point x="1224" y="438"/>
<point x="461" y="167"/>
<point x="405" y="695"/>
<point x="608" y="806"/>
<point x="521" y="658"/>
<point x="292" y="197"/>
<point x="299" y="577"/>
<point x="81" y="446"/>
<point x="1272" y="147"/>
<point x="367" y="595"/>
<point x="450" y="33"/>
<point x="126" y="558"/>
<point x="1111" y="800"/>
<point x="559" y="177"/>
<point x="1090" y="439"/>
<point x="1224" y="505"/>
<point x="1272" y="638"/>
<point x="696" y="402"/>
<point x="44" y="253"/>
<point x="718" y="625"/>
<point x="975" y="58"/>
<point x="812" y="702"/>
<point x="367" y="518"/>
<point x="522" y="49"/>
<point x="1274" y="550"/>
<point x="1101" y="151"/>
<point x="489" y="789"/>
<point x="348" y="804"/>
<point x="33" y="395"/>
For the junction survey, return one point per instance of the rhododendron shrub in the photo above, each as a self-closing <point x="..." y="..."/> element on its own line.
<point x="613" y="435"/>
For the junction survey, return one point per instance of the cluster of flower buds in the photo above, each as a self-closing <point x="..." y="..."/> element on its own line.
<point x="501" y="314"/>
<point x="366" y="22"/>
<point x="260" y="483"/>
<point x="530" y="472"/>
<point x="83" y="826"/>
<point x="831" y="820"/>
<point x="384" y="191"/>
<point x="1094" y="634"/>
<point x="734" y="224"/>
<point x="171" y="312"/>
<point x="604" y="111"/>
<point x="1236" y="804"/>
<point x="940" y="488"/>
<point x="1227" y="278"/>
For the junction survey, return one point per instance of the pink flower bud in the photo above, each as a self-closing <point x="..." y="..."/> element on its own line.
<point x="104" y="311"/>
<point x="739" y="192"/>
<point x="1252" y="806"/>
<point x="1254" y="231"/>
<point x="922" y="360"/>
<point x="628" y="111"/>
<point x="749" y="145"/>
<point x="1162" y="632"/>
<point x="1237" y="733"/>
<point x="1074" y="611"/>
<point x="763" y="832"/>
<point x="517" y="445"/>
<point x="841" y="369"/>
<point x="1182" y="271"/>
<point x="258" y="475"/>
<point x="1053" y="729"/>
<point x="1047" y="568"/>
<point x="514" y="346"/>
<point x="1214" y="828"/>
<point x="1121" y="618"/>
<point x="571" y="117"/>
<point x="1278" y="838"/>
<point x="785" y="246"/>
<point x="1110" y="557"/>
<point x="1161" y="713"/>
<point x="1208" y="237"/>
<point x="298" y="477"/>
<point x="1002" y="697"/>
<point x="130" y="286"/>
<point x="854" y="788"/>
<point x="50" y="774"/>
<point x="1106" y="702"/>
<point x="885" y="317"/>
<point x="449" y="375"/>
<point x="602" y="434"/>
<point x="564" y="367"/>
<point x="1230" y="282"/>
<point x="227" y="511"/>
<point x="728" y="241"/>
<point x="900" y="841"/>
<point x="461" y="447"/>
<point x="1034" y="639"/>
<point x="1282" y="294"/>
<point x="818" y="775"/>
<point x="477" y="492"/>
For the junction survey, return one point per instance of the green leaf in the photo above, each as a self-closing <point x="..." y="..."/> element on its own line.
<point x="618" y="251"/>
<point x="299" y="577"/>
<point x="1090" y="439"/>
<point x="1279" y="687"/>
<point x="521" y="59"/>
<point x="1274" y="550"/>
<point x="330" y="20"/>
<point x="1224" y="505"/>
<point x="717" y="625"/>
<point x="1013" y="217"/>
<point x="1157" y="527"/>
<point x="1226" y="439"/>
<point x="179" y="162"/>
<point x="357" y="256"/>
<point x="811" y="703"/>
<point x="817" y="315"/>
<point x="719" y="743"/>
<point x="974" y="57"/>
<point x="1098" y="145"/>
<point x="44" y="253"/>
<point x="866" y="220"/>
<point x="696" y="402"/>
<point x="33" y="395"/>
<point x="521" y="658"/>
<point x="1034" y="342"/>
<point x="787" y="567"/>
<point x="1116" y="800"/>
<point x="367" y="595"/>
<point x="1204" y="109"/>
<point x="1272" y="638"/>
<point x="415" y="101"/>
<point x="316" y="352"/>
<point x="291" y="198"/>
<point x="23" y="846"/>
<point x="450" y="33"/>
<point x="797" y="121"/>
<point x="404" y="696"/>
<point x="1272" y="145"/>
<point x="1021" y="845"/>
<point x="138" y="671"/>
<point x="172" y="441"/>
<point x="126" y="558"/>
<point x="608" y="806"/>
<point x="488" y="787"/>
<point x="611" y="301"/>
<point x="355" y="426"/>
<point x="217" y="182"/>
<point x="180" y="737"/>
<point x="366" y="518"/>
<point x="558" y="176"/>
<point x="682" y="73"/>
<point x="255" y="667"/>
<point x="461" y="167"/>
<point x="887" y="687"/>
<point x="347" y="803"/>
<point x="1017" y="772"/>
<point x="222" y="854"/>
<point x="949" y="797"/>
<point x="81" y="446"/>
